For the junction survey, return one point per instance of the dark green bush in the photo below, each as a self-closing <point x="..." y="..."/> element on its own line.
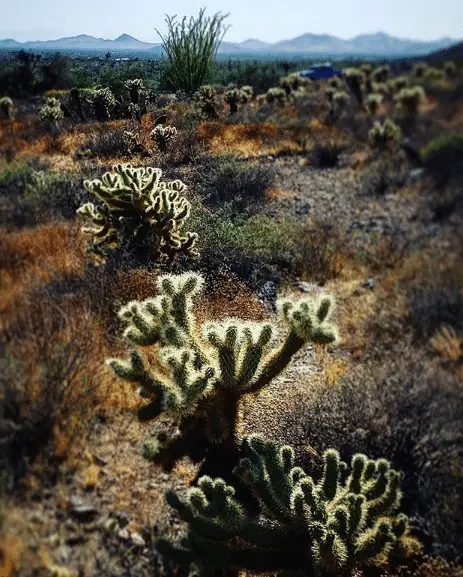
<point x="443" y="157"/>
<point x="227" y="181"/>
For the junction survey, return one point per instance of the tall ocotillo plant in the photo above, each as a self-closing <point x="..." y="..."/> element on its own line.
<point x="337" y="526"/>
<point x="142" y="209"/>
<point x="191" y="49"/>
<point x="204" y="374"/>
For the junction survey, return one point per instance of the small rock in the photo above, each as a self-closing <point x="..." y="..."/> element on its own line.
<point x="124" y="534"/>
<point x="369" y="284"/>
<point x="110" y="524"/>
<point x="137" y="540"/>
<point x="415" y="175"/>
<point x="309" y="287"/>
<point x="82" y="511"/>
<point x="99" y="461"/>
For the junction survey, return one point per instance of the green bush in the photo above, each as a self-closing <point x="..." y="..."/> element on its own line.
<point x="443" y="157"/>
<point x="227" y="181"/>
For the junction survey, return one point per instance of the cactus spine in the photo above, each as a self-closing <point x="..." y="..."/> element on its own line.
<point x="346" y="521"/>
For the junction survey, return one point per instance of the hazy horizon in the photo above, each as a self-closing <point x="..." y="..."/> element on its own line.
<point x="422" y="20"/>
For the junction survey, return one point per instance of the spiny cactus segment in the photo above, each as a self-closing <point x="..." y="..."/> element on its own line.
<point x="346" y="521"/>
<point x="137" y="199"/>
<point x="206" y="370"/>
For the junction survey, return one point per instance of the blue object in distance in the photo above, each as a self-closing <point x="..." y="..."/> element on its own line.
<point x="318" y="71"/>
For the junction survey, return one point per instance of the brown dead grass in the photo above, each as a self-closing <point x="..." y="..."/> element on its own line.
<point x="43" y="254"/>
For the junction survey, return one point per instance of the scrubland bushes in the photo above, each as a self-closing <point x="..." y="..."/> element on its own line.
<point x="255" y="509"/>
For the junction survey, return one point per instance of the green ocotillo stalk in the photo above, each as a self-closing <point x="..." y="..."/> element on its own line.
<point x="191" y="48"/>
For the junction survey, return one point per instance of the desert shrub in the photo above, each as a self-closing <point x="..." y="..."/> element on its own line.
<point x="261" y="248"/>
<point x="106" y="142"/>
<point x="326" y="155"/>
<point x="48" y="390"/>
<point x="443" y="157"/>
<point x="406" y="412"/>
<point x="191" y="49"/>
<point x="433" y="305"/>
<point x="227" y="181"/>
<point x="384" y="176"/>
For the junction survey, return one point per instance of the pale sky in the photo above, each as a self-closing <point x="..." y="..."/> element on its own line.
<point x="267" y="20"/>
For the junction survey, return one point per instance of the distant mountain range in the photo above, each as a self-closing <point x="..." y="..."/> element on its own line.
<point x="364" y="44"/>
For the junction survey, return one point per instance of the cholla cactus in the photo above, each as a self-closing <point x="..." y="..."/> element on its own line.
<point x="336" y="83"/>
<point x="162" y="135"/>
<point x="293" y="82"/>
<point x="276" y="95"/>
<point x="347" y="521"/>
<point x="206" y="98"/>
<point x="372" y="103"/>
<point x="450" y="69"/>
<point x="103" y="101"/>
<point x="355" y="78"/>
<point x="381" y="74"/>
<point x="398" y="84"/>
<point x="205" y="373"/>
<point x="6" y="107"/>
<point x="248" y="92"/>
<point x="76" y="103"/>
<point x="138" y="96"/>
<point x="409" y="99"/>
<point x="132" y="141"/>
<point x="51" y="112"/>
<point x="340" y="98"/>
<point x="236" y="96"/>
<point x="137" y="203"/>
<point x="261" y="99"/>
<point x="420" y="70"/>
<point x="385" y="136"/>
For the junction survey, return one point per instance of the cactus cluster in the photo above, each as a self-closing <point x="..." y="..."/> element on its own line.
<point x="355" y="79"/>
<point x="372" y="102"/>
<point x="410" y="99"/>
<point x="137" y="97"/>
<point x="293" y="82"/>
<point x="236" y="96"/>
<point x="163" y="135"/>
<point x="139" y="205"/>
<point x="276" y="95"/>
<point x="103" y="102"/>
<point x="342" y="523"/>
<point x="132" y="141"/>
<point x="6" y="107"/>
<point x="207" y="370"/>
<point x="206" y="99"/>
<point x="385" y="136"/>
<point x="51" y="112"/>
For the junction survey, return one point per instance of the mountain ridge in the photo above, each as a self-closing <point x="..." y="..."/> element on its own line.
<point x="374" y="43"/>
